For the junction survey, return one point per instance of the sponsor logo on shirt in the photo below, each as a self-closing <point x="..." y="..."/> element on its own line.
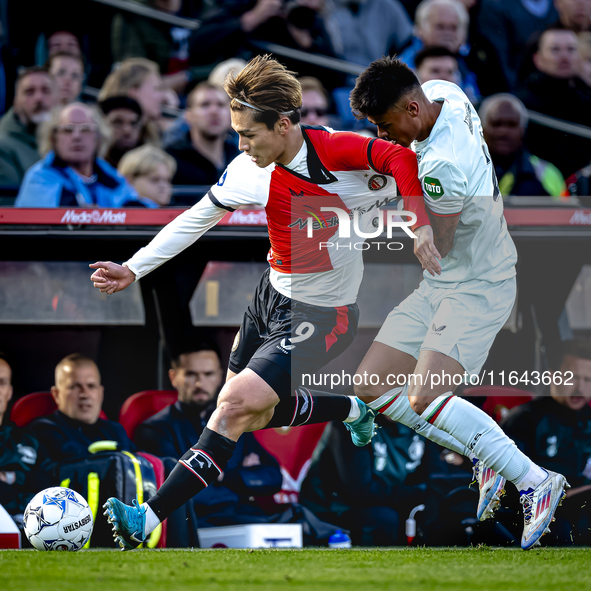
<point x="433" y="188"/>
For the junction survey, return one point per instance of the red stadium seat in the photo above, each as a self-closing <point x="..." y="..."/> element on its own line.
<point x="499" y="399"/>
<point x="32" y="406"/>
<point x="293" y="449"/>
<point x="141" y="406"/>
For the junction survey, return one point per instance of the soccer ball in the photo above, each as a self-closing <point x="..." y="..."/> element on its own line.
<point x="58" y="518"/>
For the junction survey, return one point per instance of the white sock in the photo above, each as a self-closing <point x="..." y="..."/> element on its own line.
<point x="399" y="409"/>
<point x="480" y="434"/>
<point x="533" y="478"/>
<point x="355" y="411"/>
<point x="152" y="520"/>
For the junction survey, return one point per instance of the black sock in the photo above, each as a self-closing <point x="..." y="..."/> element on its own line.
<point x="198" y="468"/>
<point x="306" y="407"/>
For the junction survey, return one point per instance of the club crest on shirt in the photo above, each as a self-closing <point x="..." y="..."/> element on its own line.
<point x="377" y="182"/>
<point x="432" y="187"/>
<point x="236" y="342"/>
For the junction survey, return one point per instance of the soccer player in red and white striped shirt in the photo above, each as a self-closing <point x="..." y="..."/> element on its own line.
<point x="304" y="312"/>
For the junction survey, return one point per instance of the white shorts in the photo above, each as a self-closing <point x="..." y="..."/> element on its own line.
<point x="461" y="323"/>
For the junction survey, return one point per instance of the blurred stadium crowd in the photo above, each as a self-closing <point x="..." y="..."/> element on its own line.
<point x="112" y="107"/>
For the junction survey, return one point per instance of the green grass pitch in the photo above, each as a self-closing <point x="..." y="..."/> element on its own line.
<point x="416" y="569"/>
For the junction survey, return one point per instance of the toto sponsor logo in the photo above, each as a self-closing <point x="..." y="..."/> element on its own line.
<point x="248" y="218"/>
<point x="581" y="218"/>
<point x="94" y="216"/>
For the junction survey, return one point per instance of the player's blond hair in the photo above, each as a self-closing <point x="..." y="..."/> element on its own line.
<point x="269" y="88"/>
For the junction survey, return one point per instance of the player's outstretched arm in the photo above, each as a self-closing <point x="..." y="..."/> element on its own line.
<point x="111" y="277"/>
<point x="426" y="251"/>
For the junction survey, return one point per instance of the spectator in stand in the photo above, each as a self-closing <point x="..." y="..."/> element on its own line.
<point x="437" y="63"/>
<point x="444" y="23"/>
<point x="555" y="430"/>
<point x="139" y="79"/>
<point x="585" y="57"/>
<point x="508" y="26"/>
<point x="504" y="121"/>
<point x="18" y="452"/>
<point x="133" y="35"/>
<point x="67" y="70"/>
<point x="228" y="28"/>
<point x="574" y="14"/>
<point x="123" y="116"/>
<point x="205" y="151"/>
<point x="219" y="73"/>
<point x="363" y="31"/>
<point x="149" y="170"/>
<point x="71" y="173"/>
<point x="35" y="96"/>
<point x="197" y="375"/>
<point x="315" y="102"/>
<point x="63" y="42"/>
<point x="555" y="89"/>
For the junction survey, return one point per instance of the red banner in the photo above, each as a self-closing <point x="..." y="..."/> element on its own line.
<point x="63" y="216"/>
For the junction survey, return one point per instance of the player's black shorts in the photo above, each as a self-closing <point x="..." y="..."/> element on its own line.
<point x="280" y="339"/>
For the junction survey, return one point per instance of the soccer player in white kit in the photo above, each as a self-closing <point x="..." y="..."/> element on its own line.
<point x="447" y="326"/>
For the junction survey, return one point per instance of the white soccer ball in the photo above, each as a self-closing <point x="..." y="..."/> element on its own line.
<point x="58" y="518"/>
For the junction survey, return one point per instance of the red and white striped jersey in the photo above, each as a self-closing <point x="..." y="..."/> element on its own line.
<point x="332" y="169"/>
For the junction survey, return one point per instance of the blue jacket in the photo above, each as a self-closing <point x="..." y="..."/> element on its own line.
<point x="51" y="183"/>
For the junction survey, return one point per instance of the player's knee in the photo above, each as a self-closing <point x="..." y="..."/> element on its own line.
<point x="235" y="402"/>
<point x="418" y="403"/>
<point x="367" y="392"/>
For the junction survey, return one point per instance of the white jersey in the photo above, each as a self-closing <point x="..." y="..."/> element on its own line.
<point x="458" y="177"/>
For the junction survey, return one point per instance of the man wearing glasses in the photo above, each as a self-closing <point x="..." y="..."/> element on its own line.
<point x="71" y="173"/>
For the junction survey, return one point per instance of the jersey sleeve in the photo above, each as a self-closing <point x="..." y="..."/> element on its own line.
<point x="400" y="163"/>
<point x="242" y="183"/>
<point x="175" y="237"/>
<point x="444" y="187"/>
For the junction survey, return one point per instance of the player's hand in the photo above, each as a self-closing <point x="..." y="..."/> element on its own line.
<point x="111" y="277"/>
<point x="426" y="251"/>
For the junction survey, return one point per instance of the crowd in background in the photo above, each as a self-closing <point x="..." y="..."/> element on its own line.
<point x="106" y="107"/>
<point x="109" y="108"/>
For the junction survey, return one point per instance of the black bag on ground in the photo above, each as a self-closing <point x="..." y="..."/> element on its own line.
<point x="123" y="475"/>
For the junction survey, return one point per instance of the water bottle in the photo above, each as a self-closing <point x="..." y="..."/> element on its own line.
<point x="339" y="540"/>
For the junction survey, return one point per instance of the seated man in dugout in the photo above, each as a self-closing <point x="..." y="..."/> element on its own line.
<point x="555" y="430"/>
<point x="69" y="433"/>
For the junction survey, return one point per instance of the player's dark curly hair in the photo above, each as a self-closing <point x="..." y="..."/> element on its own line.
<point x="269" y="86"/>
<point x="381" y="86"/>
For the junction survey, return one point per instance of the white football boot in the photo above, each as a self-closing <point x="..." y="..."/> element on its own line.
<point x="491" y="487"/>
<point x="539" y="505"/>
